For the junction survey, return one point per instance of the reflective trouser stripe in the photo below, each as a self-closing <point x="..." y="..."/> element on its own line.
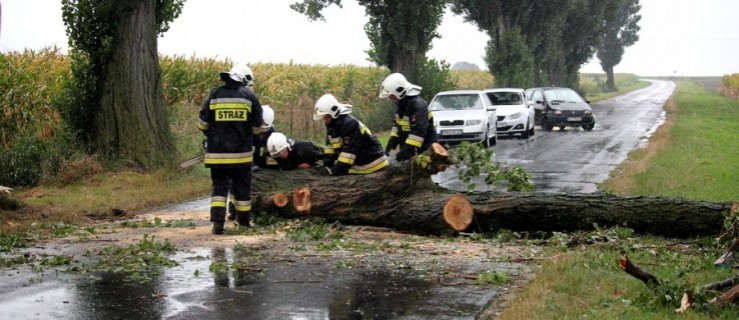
<point x="370" y="167"/>
<point x="242" y="205"/>
<point x="216" y="201"/>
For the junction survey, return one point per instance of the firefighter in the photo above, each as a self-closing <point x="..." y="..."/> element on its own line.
<point x="351" y="147"/>
<point x="413" y="129"/>
<point x="230" y="118"/>
<point x="293" y="154"/>
<point x="262" y="158"/>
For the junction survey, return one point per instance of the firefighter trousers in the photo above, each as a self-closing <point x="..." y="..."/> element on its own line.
<point x="239" y="181"/>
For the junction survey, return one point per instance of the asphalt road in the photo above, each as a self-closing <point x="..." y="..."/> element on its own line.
<point x="575" y="160"/>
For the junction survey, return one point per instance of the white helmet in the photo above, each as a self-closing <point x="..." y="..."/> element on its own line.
<point x="396" y="85"/>
<point x="278" y="142"/>
<point x="327" y="104"/>
<point x="268" y="116"/>
<point x="240" y="73"/>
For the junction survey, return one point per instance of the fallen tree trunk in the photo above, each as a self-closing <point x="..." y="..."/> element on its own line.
<point x="404" y="198"/>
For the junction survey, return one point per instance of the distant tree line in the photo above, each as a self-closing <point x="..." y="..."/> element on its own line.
<point x="114" y="102"/>
<point x="532" y="42"/>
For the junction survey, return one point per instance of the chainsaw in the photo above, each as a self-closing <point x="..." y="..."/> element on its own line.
<point x="192" y="161"/>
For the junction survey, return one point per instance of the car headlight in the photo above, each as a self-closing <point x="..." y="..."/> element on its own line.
<point x="588" y="112"/>
<point x="515" y="115"/>
<point x="557" y="111"/>
<point x="473" y="122"/>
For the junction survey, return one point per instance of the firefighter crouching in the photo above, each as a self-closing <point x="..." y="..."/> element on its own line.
<point x="293" y="154"/>
<point x="229" y="118"/>
<point x="413" y="129"/>
<point x="351" y="147"/>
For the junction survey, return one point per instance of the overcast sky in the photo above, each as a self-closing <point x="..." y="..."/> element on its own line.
<point x="678" y="37"/>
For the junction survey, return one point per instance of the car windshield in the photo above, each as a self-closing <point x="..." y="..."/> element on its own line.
<point x="562" y="95"/>
<point x="456" y="102"/>
<point x="505" y="98"/>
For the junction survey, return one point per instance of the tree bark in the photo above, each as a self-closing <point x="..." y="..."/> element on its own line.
<point x="132" y="122"/>
<point x="404" y="198"/>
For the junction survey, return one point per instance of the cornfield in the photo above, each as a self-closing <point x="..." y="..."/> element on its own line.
<point x="32" y="80"/>
<point x="29" y="83"/>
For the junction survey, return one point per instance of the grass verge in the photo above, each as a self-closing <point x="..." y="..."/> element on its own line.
<point x="693" y="155"/>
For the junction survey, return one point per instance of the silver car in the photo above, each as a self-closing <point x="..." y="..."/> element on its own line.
<point x="464" y="115"/>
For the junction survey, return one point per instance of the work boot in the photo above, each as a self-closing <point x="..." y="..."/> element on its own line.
<point x="231" y="211"/>
<point x="217" y="215"/>
<point x="218" y="227"/>
<point x="243" y="219"/>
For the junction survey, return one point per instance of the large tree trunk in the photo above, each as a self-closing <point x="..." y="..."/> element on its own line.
<point x="405" y="199"/>
<point x="132" y="122"/>
<point x="610" y="80"/>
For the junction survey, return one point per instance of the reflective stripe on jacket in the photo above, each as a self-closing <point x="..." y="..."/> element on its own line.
<point x="229" y="118"/>
<point x="359" y="151"/>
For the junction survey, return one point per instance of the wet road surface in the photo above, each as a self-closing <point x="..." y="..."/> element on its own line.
<point x="575" y="160"/>
<point x="270" y="277"/>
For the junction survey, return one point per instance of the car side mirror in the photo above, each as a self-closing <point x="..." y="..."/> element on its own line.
<point x="587" y="101"/>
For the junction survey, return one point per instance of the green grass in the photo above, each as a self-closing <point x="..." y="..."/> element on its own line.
<point x="591" y="84"/>
<point x="694" y="155"/>
<point x="589" y="285"/>
<point x="699" y="156"/>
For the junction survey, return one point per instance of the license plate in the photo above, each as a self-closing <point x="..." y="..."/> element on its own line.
<point x="451" y="132"/>
<point x="574" y="119"/>
<point x="502" y="124"/>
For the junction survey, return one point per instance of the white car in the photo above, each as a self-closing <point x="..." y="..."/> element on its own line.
<point x="464" y="115"/>
<point x="515" y="112"/>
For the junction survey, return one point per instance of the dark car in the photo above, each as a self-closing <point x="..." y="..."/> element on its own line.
<point x="560" y="107"/>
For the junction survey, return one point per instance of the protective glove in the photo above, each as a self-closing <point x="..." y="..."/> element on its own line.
<point x="387" y="151"/>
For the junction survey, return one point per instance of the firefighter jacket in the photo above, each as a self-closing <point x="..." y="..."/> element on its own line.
<point x="352" y="148"/>
<point x="229" y="118"/>
<point x="301" y="152"/>
<point x="262" y="157"/>
<point x="413" y="129"/>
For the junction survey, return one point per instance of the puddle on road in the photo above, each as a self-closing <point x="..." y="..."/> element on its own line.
<point x="225" y="283"/>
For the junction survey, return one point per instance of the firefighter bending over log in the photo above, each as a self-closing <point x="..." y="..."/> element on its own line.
<point x="351" y="148"/>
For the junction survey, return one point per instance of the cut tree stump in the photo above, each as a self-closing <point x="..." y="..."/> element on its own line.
<point x="404" y="198"/>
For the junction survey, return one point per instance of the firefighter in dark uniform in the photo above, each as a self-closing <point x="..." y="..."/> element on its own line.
<point x="293" y="154"/>
<point x="351" y="147"/>
<point x="413" y="130"/>
<point x="262" y="158"/>
<point x="261" y="155"/>
<point x="230" y="118"/>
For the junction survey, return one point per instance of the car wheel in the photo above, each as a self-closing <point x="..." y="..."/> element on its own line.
<point x="546" y="125"/>
<point x="588" y="127"/>
<point x="531" y="130"/>
<point x="526" y="132"/>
